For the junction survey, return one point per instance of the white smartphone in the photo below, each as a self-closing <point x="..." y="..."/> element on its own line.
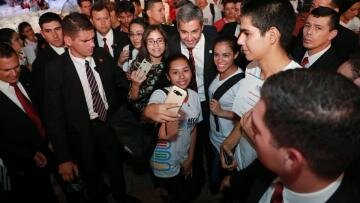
<point x="176" y="95"/>
<point x="145" y="66"/>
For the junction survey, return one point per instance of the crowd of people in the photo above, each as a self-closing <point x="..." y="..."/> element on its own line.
<point x="269" y="109"/>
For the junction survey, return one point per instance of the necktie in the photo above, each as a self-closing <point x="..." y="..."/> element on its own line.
<point x="29" y="110"/>
<point x="277" y="196"/>
<point x="193" y="84"/>
<point x="304" y="62"/>
<point x="106" y="47"/>
<point x="98" y="104"/>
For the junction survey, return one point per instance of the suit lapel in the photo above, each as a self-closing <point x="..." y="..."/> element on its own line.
<point x="73" y="79"/>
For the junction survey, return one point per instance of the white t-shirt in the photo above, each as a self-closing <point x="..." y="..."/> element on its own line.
<point x="208" y="17"/>
<point x="168" y="155"/>
<point x="247" y="96"/>
<point x="226" y="103"/>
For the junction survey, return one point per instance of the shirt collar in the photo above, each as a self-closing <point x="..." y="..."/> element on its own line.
<point x="58" y="50"/>
<point x="318" y="196"/>
<point x="81" y="61"/>
<point x="108" y="36"/>
<point x="316" y="56"/>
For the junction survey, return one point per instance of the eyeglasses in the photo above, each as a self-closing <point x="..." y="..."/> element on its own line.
<point x="152" y="42"/>
<point x="138" y="34"/>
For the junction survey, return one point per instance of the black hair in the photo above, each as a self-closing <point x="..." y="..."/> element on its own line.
<point x="271" y="13"/>
<point x="143" y="50"/>
<point x="6" y="51"/>
<point x="21" y="28"/>
<point x="75" y="22"/>
<point x="229" y="40"/>
<point x="125" y="6"/>
<point x="99" y="6"/>
<point x="314" y="117"/>
<point x="49" y="17"/>
<point x="327" y="12"/>
<point x="6" y="34"/>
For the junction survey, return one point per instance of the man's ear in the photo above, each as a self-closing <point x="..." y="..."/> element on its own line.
<point x="357" y="82"/>
<point x="147" y="13"/>
<point x="274" y="35"/>
<point x="333" y="34"/>
<point x="67" y="40"/>
<point x="293" y="160"/>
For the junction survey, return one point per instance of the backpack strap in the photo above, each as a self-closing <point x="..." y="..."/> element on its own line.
<point x="212" y="10"/>
<point x="220" y="91"/>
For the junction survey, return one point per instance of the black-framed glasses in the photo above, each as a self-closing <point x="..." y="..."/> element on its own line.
<point x="159" y="41"/>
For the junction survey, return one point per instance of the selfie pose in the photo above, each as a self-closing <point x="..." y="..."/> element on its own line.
<point x="172" y="159"/>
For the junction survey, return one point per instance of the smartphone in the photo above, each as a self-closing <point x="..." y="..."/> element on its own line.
<point x="145" y="66"/>
<point x="176" y="95"/>
<point x="228" y="159"/>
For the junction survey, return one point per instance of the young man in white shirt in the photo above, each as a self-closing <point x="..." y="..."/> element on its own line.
<point x="266" y="28"/>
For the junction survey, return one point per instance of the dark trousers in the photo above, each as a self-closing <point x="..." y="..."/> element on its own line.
<point x="30" y="184"/>
<point x="181" y="189"/>
<point x="101" y="154"/>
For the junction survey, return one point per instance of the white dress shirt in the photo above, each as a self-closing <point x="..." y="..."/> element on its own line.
<point x="289" y="196"/>
<point x="109" y="40"/>
<point x="199" y="57"/>
<point x="58" y="50"/>
<point x="9" y="91"/>
<point x="79" y="64"/>
<point x="314" y="57"/>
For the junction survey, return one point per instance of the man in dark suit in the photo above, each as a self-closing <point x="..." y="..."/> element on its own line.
<point x="51" y="30"/>
<point x="111" y="40"/>
<point x="307" y="158"/>
<point x="319" y="31"/>
<point x="194" y="39"/>
<point x="23" y="145"/>
<point x="346" y="41"/>
<point x="80" y="98"/>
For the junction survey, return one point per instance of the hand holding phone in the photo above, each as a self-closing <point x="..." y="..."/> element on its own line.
<point x="228" y="158"/>
<point x="176" y="95"/>
<point x="145" y="66"/>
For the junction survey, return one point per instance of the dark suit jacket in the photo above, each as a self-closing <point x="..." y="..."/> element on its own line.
<point x="209" y="66"/>
<point x="345" y="43"/>
<point x="327" y="62"/>
<point x="19" y="137"/>
<point x="229" y="29"/>
<point x="45" y="55"/>
<point x="256" y="179"/>
<point x="169" y="30"/>
<point x="66" y="112"/>
<point x="120" y="40"/>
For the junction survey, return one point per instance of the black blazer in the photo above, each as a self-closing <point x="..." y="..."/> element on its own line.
<point x="19" y="137"/>
<point x="120" y="40"/>
<point x="327" y="62"/>
<point x="256" y="179"/>
<point x="45" y="55"/>
<point x="345" y="43"/>
<point x="209" y="65"/>
<point x="229" y="29"/>
<point x="66" y="113"/>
